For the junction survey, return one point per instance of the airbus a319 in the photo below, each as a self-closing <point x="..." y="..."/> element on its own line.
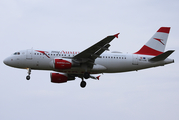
<point x="71" y="64"/>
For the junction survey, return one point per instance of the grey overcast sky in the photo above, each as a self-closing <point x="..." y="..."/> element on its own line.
<point x="151" y="94"/>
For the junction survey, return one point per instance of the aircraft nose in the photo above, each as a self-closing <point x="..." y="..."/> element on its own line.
<point x="6" y="61"/>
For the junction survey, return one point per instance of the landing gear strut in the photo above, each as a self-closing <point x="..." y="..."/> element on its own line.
<point x="83" y="83"/>
<point x="29" y="72"/>
<point x="86" y="75"/>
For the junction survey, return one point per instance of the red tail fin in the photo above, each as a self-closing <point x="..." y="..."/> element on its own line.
<point x="156" y="45"/>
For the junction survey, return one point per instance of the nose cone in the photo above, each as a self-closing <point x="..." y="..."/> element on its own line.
<point x="6" y="61"/>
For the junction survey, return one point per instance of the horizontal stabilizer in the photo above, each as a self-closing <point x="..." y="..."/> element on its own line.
<point x="162" y="56"/>
<point x="96" y="78"/>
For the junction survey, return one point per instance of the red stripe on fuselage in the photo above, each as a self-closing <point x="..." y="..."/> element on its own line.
<point x="145" y="50"/>
<point x="43" y="52"/>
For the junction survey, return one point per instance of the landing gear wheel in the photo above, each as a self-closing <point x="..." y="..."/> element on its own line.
<point x="83" y="84"/>
<point x="29" y="72"/>
<point x="86" y="75"/>
<point x="28" y="77"/>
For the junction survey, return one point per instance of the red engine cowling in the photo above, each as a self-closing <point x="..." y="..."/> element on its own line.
<point x="62" y="64"/>
<point x="58" y="78"/>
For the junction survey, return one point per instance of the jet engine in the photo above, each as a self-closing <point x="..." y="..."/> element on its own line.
<point x="60" y="77"/>
<point x="62" y="63"/>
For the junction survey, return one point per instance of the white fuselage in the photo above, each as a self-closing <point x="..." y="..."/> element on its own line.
<point x="106" y="63"/>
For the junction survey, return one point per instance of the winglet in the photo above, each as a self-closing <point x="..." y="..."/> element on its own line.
<point x="98" y="77"/>
<point x="116" y="35"/>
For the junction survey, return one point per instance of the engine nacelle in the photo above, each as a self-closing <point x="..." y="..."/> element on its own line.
<point x="58" y="78"/>
<point x="61" y="63"/>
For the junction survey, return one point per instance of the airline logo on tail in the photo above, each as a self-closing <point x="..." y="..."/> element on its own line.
<point x="160" y="40"/>
<point x="156" y="45"/>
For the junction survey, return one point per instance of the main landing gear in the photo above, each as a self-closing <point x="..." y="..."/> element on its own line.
<point x="29" y="72"/>
<point x="83" y="83"/>
<point x="86" y="75"/>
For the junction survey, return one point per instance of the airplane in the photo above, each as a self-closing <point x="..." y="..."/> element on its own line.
<point x="94" y="60"/>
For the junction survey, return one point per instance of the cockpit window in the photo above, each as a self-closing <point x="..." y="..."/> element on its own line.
<point x="16" y="53"/>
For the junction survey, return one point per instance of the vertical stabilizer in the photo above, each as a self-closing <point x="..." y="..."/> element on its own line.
<point x="156" y="45"/>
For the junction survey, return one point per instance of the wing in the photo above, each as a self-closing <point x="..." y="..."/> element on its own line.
<point x="91" y="53"/>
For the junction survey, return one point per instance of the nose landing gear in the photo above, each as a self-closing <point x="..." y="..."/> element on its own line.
<point x="29" y="72"/>
<point x="28" y="77"/>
